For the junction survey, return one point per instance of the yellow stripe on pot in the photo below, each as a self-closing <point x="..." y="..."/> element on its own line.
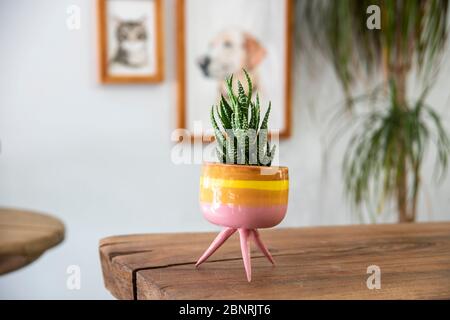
<point x="246" y="197"/>
<point x="275" y="185"/>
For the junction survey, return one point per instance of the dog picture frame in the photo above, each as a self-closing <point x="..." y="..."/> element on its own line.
<point x="189" y="98"/>
<point x="130" y="41"/>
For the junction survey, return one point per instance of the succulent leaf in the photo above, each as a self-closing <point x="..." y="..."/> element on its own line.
<point x="226" y="106"/>
<point x="266" y="118"/>
<point x="224" y="118"/>
<point x="250" y="86"/>
<point x="220" y="138"/>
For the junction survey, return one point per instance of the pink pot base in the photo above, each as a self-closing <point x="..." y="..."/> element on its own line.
<point x="235" y="216"/>
<point x="246" y="220"/>
<point x="245" y="236"/>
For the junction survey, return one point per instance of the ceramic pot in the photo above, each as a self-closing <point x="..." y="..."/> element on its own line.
<point x="243" y="198"/>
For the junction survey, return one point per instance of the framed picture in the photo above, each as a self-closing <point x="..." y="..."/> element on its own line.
<point x="130" y="41"/>
<point x="218" y="38"/>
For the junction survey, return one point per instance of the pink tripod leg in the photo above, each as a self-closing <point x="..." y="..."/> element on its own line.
<point x="244" y="235"/>
<point x="218" y="241"/>
<point x="261" y="246"/>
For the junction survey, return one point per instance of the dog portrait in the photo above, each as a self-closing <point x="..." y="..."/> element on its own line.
<point x="130" y="40"/>
<point x="229" y="52"/>
<point x="218" y="39"/>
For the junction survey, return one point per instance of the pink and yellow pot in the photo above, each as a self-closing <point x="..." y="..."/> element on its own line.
<point x="243" y="198"/>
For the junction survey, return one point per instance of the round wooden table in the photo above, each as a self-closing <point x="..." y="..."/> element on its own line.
<point x="26" y="235"/>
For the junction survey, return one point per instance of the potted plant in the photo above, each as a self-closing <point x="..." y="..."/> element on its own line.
<point x="242" y="192"/>
<point x="385" y="155"/>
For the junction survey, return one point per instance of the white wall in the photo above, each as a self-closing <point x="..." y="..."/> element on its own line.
<point x="98" y="157"/>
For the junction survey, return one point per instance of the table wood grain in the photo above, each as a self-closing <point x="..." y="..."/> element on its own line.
<point x="25" y="236"/>
<point x="312" y="263"/>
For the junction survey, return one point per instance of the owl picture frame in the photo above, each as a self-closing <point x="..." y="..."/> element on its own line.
<point x="130" y="41"/>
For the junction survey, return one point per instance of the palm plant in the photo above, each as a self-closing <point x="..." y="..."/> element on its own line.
<point x="384" y="157"/>
<point x="241" y="139"/>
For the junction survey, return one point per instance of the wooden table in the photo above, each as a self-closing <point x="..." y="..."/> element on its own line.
<point x="312" y="263"/>
<point x="26" y="235"/>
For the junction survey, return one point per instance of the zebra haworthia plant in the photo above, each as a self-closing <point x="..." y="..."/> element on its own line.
<point x="240" y="137"/>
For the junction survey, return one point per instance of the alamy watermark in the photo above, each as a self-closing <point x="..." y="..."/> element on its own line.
<point x="238" y="147"/>
<point x="73" y="281"/>
<point x="373" y="22"/>
<point x="73" y="19"/>
<point x="374" y="280"/>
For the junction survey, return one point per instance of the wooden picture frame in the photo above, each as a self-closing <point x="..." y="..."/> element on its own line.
<point x="181" y="19"/>
<point x="157" y="73"/>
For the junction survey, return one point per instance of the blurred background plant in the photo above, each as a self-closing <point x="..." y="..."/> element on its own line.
<point x="384" y="157"/>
